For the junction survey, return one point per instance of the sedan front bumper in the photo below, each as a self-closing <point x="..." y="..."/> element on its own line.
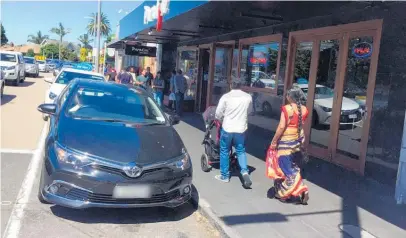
<point x="95" y="187"/>
<point x="10" y="75"/>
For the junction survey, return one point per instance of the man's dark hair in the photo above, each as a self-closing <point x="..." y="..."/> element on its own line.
<point x="174" y="71"/>
<point x="179" y="71"/>
<point x="236" y="84"/>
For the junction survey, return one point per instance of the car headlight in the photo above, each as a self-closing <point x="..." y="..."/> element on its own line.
<point x="71" y="159"/>
<point x="182" y="162"/>
<point x="326" y="109"/>
<point x="11" y="67"/>
<point x="52" y="95"/>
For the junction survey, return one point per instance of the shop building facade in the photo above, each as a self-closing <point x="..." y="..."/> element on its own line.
<point x="348" y="58"/>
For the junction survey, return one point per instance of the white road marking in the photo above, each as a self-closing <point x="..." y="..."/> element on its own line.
<point x="13" y="151"/>
<point x="14" y="223"/>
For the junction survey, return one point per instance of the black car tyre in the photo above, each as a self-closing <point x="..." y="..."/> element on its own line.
<point x="315" y="119"/>
<point x="267" y="108"/>
<point x="204" y="163"/>
<point x="17" y="81"/>
<point x="40" y="197"/>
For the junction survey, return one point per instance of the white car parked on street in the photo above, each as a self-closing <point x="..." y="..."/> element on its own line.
<point x="43" y="66"/>
<point x="31" y="67"/>
<point x="13" y="66"/>
<point x="62" y="79"/>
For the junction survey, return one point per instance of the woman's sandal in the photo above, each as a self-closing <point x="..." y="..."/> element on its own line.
<point x="304" y="198"/>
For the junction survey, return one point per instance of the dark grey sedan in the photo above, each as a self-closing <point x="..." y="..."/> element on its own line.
<point x="110" y="145"/>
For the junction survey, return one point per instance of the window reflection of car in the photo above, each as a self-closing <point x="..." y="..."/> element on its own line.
<point x="351" y="111"/>
<point x="111" y="146"/>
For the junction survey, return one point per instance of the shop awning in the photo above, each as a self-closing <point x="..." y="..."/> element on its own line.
<point x="133" y="23"/>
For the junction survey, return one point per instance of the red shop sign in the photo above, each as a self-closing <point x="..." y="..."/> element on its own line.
<point x="257" y="60"/>
<point x="362" y="50"/>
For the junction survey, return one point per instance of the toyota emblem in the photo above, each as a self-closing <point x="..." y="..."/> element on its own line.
<point x="132" y="170"/>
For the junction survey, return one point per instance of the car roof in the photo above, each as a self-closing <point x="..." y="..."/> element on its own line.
<point x="81" y="71"/>
<point x="10" y="52"/>
<point x="106" y="86"/>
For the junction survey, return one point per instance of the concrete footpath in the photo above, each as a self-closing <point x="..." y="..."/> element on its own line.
<point x="341" y="204"/>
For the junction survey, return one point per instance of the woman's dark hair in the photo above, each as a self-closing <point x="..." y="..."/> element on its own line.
<point x="296" y="94"/>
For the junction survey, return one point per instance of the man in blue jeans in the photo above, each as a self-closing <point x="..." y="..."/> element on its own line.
<point x="233" y="110"/>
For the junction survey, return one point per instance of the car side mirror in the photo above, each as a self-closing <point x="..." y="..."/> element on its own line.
<point x="49" y="80"/>
<point x="47" y="108"/>
<point x="173" y="120"/>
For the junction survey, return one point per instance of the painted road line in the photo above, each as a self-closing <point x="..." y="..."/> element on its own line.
<point x="14" y="223"/>
<point x="13" y="151"/>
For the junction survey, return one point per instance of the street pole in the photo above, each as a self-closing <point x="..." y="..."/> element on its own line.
<point x="104" y="57"/>
<point x="98" y="36"/>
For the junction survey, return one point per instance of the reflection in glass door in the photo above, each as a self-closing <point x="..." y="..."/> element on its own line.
<point x="323" y="101"/>
<point x="221" y="73"/>
<point x="353" y="110"/>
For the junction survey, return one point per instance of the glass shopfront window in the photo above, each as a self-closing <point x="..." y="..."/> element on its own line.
<point x="220" y="82"/>
<point x="188" y="64"/>
<point x="259" y="65"/>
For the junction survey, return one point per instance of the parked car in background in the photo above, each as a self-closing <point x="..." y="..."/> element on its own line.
<point x="62" y="79"/>
<point x="43" y="66"/>
<point x="98" y="154"/>
<point x="2" y="83"/>
<point x="12" y="64"/>
<point x="61" y="66"/>
<point x="31" y="67"/>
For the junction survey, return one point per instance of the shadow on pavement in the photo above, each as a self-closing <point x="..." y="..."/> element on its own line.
<point x="125" y="215"/>
<point x="356" y="192"/>
<point x="26" y="84"/>
<point x="7" y="98"/>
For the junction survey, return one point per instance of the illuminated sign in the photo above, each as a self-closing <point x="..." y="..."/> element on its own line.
<point x="257" y="61"/>
<point x="83" y="66"/>
<point x="362" y="50"/>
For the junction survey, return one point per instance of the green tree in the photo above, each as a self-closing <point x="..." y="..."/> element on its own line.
<point x="110" y="38"/>
<point x="30" y="53"/>
<point x="50" y="51"/>
<point x="105" y="28"/>
<point x="86" y="41"/>
<point x="38" y="38"/>
<point x="4" y="39"/>
<point x="61" y="31"/>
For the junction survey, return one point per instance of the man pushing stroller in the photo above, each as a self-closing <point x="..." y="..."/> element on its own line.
<point x="232" y="110"/>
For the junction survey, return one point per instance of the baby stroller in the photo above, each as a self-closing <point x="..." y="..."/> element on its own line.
<point x="211" y="143"/>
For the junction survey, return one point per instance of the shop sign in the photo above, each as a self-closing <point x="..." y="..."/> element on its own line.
<point x="156" y="12"/>
<point x="362" y="50"/>
<point x="257" y="61"/>
<point x="140" y="50"/>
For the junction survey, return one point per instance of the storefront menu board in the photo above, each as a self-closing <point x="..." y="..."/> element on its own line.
<point x="139" y="50"/>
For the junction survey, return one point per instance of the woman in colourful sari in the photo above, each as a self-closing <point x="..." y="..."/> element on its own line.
<point x="288" y="141"/>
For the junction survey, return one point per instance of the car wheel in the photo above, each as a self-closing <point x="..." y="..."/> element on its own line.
<point x="40" y="197"/>
<point x="204" y="163"/>
<point x="267" y="108"/>
<point x="315" y="119"/>
<point x="17" y="81"/>
<point x="2" y="90"/>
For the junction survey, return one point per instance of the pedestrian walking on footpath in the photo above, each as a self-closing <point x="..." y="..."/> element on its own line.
<point x="232" y="111"/>
<point x="124" y="77"/>
<point x="179" y="87"/>
<point x="149" y="76"/>
<point x="158" y="88"/>
<point x="288" y="143"/>
<point x="172" y="97"/>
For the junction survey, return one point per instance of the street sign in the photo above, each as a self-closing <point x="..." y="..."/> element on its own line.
<point x="40" y="57"/>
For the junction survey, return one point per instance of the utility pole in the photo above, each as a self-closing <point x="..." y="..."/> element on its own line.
<point x="98" y="36"/>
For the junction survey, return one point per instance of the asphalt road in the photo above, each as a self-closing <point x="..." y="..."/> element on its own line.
<point x="22" y="214"/>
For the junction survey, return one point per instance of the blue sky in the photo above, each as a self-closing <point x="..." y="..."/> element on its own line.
<point x="22" y="18"/>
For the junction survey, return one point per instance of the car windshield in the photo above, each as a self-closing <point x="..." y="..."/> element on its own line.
<point x="321" y="92"/>
<point x="65" y="77"/>
<point x="118" y="105"/>
<point x="29" y="61"/>
<point x="8" y="57"/>
<point x="41" y="62"/>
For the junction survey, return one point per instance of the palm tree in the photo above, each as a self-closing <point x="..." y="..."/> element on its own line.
<point x="85" y="40"/>
<point x="105" y="28"/>
<point x="110" y="38"/>
<point x="38" y="38"/>
<point x="61" y="31"/>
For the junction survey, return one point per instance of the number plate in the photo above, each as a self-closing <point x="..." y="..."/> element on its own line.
<point x="132" y="191"/>
<point x="352" y="116"/>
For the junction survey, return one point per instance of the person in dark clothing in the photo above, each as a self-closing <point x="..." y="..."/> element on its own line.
<point x="112" y="75"/>
<point x="149" y="76"/>
<point x="125" y="77"/>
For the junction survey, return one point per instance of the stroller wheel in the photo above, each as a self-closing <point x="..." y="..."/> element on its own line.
<point x="204" y="162"/>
